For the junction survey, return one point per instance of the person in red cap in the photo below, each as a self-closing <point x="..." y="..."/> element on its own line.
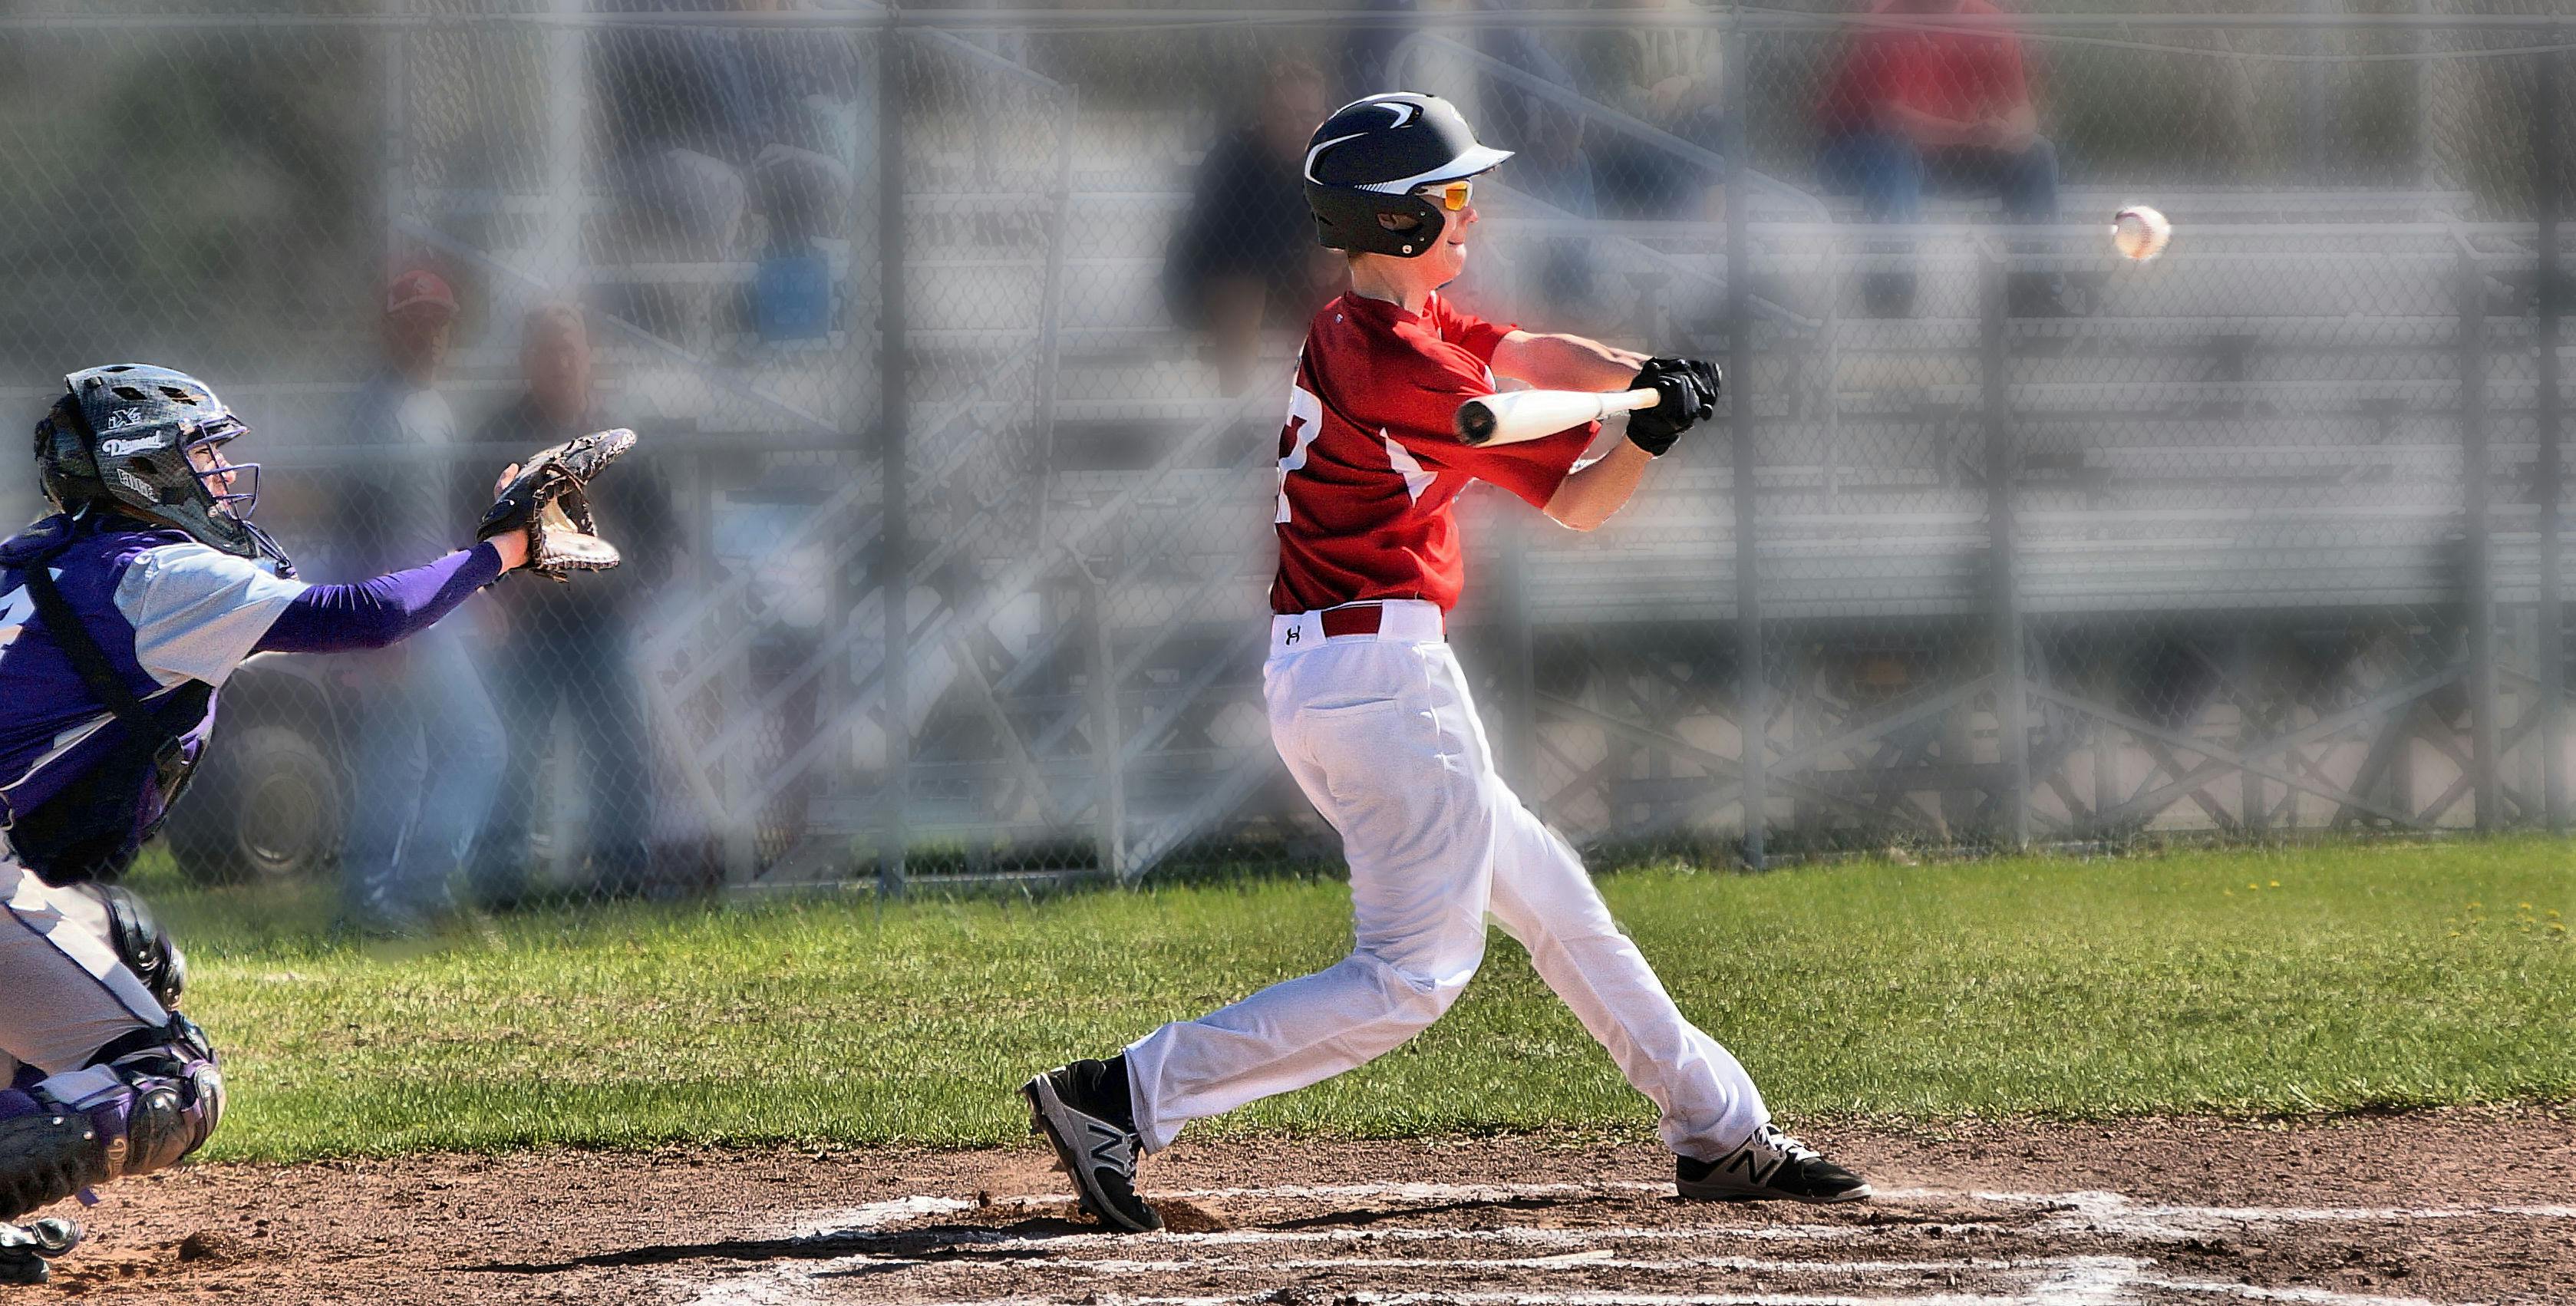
<point x="1923" y="108"/>
<point x="425" y="782"/>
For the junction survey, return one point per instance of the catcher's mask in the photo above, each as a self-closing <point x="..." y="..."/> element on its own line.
<point x="1378" y="156"/>
<point x="149" y="441"/>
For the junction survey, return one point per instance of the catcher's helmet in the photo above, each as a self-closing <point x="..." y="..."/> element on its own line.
<point x="128" y="435"/>
<point x="1369" y="158"/>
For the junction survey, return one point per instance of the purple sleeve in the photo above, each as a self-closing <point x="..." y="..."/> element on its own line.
<point x="373" y="614"/>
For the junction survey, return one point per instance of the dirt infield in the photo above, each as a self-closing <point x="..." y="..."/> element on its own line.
<point x="2440" y="1207"/>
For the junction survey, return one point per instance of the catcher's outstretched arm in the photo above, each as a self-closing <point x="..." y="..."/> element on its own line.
<point x="388" y="609"/>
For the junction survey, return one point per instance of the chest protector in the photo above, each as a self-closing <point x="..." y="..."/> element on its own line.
<point x="94" y="827"/>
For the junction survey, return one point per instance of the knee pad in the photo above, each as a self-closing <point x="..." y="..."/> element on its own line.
<point x="169" y="1100"/>
<point x="142" y="1104"/>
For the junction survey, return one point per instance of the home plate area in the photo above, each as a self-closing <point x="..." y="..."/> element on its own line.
<point x="1421" y="1244"/>
<point x="1620" y="1239"/>
<point x="2444" y="1207"/>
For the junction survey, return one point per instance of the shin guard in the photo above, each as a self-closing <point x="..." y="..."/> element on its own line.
<point x="141" y="1105"/>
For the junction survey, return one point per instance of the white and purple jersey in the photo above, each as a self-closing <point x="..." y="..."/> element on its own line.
<point x="163" y="608"/>
<point x="166" y="610"/>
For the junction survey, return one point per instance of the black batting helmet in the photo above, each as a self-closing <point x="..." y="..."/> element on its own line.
<point x="1371" y="156"/>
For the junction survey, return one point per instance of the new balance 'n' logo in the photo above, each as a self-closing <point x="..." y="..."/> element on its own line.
<point x="1750" y="1164"/>
<point x="1106" y="1146"/>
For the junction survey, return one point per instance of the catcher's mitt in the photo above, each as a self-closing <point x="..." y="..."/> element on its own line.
<point x="547" y="500"/>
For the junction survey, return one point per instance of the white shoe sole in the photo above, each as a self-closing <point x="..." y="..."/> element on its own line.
<point x="1704" y="1194"/>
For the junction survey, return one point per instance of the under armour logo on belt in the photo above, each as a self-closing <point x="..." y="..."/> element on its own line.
<point x="1292" y="635"/>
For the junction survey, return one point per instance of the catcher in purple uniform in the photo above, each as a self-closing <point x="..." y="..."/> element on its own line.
<point x="120" y="617"/>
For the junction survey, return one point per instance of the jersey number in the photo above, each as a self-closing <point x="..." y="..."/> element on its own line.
<point x="1305" y="422"/>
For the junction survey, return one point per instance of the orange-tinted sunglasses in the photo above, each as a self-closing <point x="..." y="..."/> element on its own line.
<point x="1453" y="195"/>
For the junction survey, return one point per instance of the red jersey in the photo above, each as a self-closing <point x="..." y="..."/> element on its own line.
<point x="1369" y="466"/>
<point x="1962" y="75"/>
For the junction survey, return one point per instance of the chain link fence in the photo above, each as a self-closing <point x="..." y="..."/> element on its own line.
<point x="2008" y="541"/>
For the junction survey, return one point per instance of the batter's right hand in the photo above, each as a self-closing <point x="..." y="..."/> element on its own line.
<point x="1686" y="394"/>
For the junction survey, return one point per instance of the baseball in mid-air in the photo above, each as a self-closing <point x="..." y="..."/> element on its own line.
<point x="2139" y="232"/>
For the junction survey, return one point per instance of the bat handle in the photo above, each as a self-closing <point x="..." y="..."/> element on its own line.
<point x="1629" y="401"/>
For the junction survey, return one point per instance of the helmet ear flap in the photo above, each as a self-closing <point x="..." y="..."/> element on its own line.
<point x="66" y="466"/>
<point x="1428" y="224"/>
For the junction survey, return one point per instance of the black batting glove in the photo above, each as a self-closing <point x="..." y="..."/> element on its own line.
<point x="1686" y="394"/>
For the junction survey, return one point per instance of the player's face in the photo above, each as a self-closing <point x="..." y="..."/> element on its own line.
<point x="212" y="467"/>
<point x="1456" y="200"/>
<point x="235" y="487"/>
<point x="557" y="362"/>
<point x="416" y="340"/>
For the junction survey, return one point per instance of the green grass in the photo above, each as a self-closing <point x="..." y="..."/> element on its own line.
<point x="2306" y="980"/>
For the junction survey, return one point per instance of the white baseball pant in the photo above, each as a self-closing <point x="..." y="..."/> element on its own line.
<point x="1380" y="733"/>
<point x="68" y="993"/>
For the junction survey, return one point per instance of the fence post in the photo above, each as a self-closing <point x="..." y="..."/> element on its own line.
<point x="894" y="561"/>
<point x="1109" y="746"/>
<point x="2548" y="184"/>
<point x="395" y="126"/>
<point x="567" y="139"/>
<point x="2012" y="733"/>
<point x="2475" y="492"/>
<point x="1751" y="701"/>
<point x="2311" y="73"/>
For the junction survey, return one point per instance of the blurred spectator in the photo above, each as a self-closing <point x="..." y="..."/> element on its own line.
<point x="1245" y="255"/>
<point x="1666" y="73"/>
<point x="1550" y="163"/>
<point x="569" y="646"/>
<point x="1951" y="110"/>
<point x="427" y="739"/>
<point x="1553" y="168"/>
<point x="1367" y="64"/>
<point x="712" y="128"/>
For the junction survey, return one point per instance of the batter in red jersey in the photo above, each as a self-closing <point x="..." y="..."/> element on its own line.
<point x="1371" y="713"/>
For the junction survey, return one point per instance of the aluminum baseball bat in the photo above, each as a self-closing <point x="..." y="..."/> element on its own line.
<point x="1530" y="414"/>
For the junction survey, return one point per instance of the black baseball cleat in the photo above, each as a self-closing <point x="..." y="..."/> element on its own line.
<point x="24" y="1248"/>
<point x="1083" y="1109"/>
<point x="1770" y="1165"/>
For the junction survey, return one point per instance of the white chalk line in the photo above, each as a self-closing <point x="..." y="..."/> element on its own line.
<point x="1004" y="1240"/>
<point x="2075" y="1281"/>
<point x="1594" y="1259"/>
<point x="2045" y="1296"/>
<point x="2122" y="1216"/>
<point x="2078" y="1211"/>
<point x="2102" y="1281"/>
<point x="718" y="1297"/>
<point x="2063" y="1281"/>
